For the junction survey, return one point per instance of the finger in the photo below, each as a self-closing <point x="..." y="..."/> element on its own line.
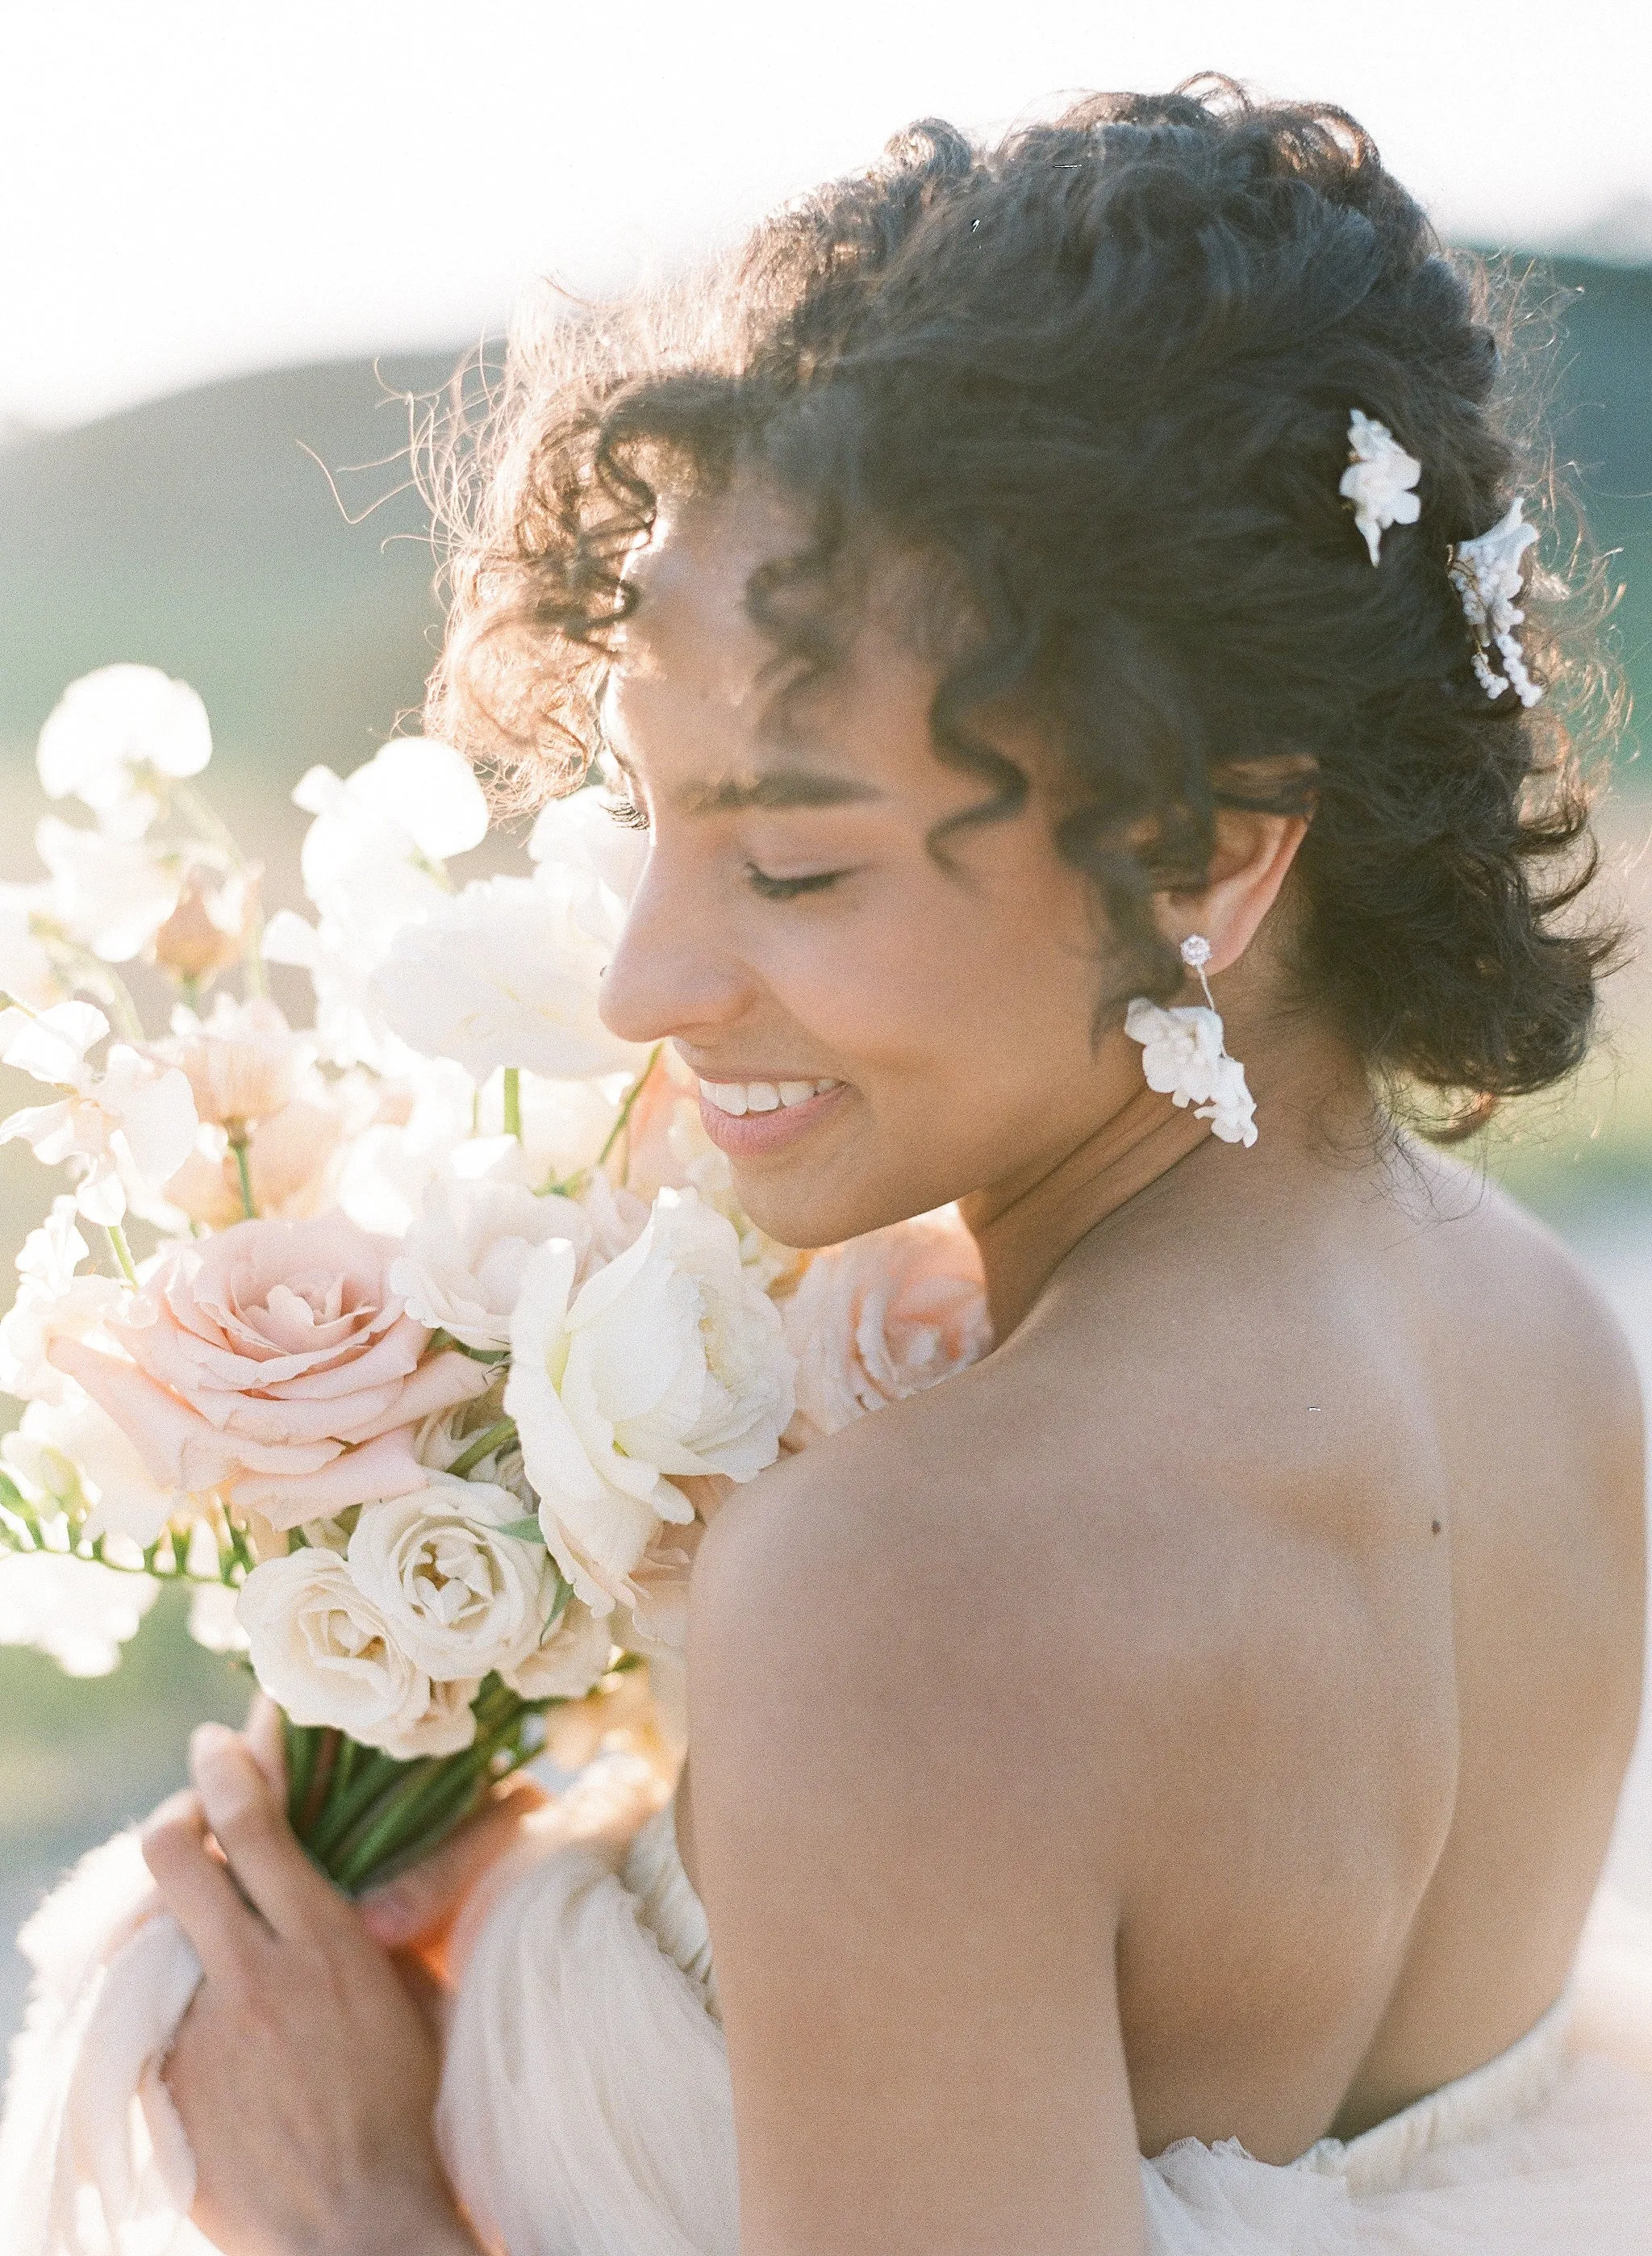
<point x="423" y="1899"/>
<point x="251" y="1829"/>
<point x="265" y="1735"/>
<point x="197" y="1889"/>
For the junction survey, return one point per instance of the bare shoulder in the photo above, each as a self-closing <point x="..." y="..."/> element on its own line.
<point x="1520" y="1316"/>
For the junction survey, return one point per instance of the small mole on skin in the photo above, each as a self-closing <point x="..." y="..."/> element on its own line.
<point x="1437" y="1527"/>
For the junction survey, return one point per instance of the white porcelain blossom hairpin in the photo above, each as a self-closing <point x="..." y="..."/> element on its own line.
<point x="1183" y="1056"/>
<point x="1379" y="481"/>
<point x="1487" y="573"/>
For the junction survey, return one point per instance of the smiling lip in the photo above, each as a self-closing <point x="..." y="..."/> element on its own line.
<point x="748" y="1135"/>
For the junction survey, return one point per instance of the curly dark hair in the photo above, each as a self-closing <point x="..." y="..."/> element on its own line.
<point x="1101" y="376"/>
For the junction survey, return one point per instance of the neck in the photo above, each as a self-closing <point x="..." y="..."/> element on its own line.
<point x="1314" y="1100"/>
<point x="1025" y="1227"/>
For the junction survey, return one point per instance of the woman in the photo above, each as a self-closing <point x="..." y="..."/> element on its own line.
<point x="1044" y="580"/>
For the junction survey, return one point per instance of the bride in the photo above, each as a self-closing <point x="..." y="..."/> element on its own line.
<point x="1031" y="583"/>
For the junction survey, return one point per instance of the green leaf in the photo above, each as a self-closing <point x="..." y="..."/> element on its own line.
<point x="525" y="1531"/>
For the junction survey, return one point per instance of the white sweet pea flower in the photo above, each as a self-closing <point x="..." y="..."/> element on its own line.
<point x="505" y="974"/>
<point x="213" y="1623"/>
<point x="114" y="732"/>
<point x="579" y="838"/>
<point x="71" y="1440"/>
<point x="26" y="972"/>
<point x="78" y="1611"/>
<point x="243" y="1063"/>
<point x="460" y="1267"/>
<point x="460" y="1597"/>
<point x="109" y="891"/>
<point x="52" y="1301"/>
<point x="1378" y="481"/>
<point x="134" y="1119"/>
<point x="670" y="1360"/>
<point x="323" y="1651"/>
<point x="1182" y="1057"/>
<point x="372" y="861"/>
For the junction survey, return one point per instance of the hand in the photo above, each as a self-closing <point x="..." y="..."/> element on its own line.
<point x="304" y="2074"/>
<point x="415" y="1912"/>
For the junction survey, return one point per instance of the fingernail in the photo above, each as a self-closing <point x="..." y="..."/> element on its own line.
<point x="224" y="1773"/>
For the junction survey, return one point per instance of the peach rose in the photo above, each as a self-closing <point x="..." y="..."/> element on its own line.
<point x="275" y="1362"/>
<point x="882" y="1316"/>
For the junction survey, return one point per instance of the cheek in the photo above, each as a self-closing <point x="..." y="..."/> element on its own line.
<point x="939" y="975"/>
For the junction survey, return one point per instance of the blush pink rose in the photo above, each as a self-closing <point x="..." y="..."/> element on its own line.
<point x="882" y="1316"/>
<point x="273" y="1362"/>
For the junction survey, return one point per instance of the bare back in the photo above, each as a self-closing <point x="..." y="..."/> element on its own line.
<point x="1316" y="1580"/>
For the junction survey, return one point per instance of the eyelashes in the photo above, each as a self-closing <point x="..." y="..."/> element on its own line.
<point x="787" y="889"/>
<point x="625" y="811"/>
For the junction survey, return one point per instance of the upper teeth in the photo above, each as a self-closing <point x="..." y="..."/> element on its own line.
<point x="760" y="1096"/>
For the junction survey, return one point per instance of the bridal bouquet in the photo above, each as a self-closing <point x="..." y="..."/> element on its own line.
<point x="410" y="1339"/>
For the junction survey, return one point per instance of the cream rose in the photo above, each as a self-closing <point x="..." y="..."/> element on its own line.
<point x="322" y="1650"/>
<point x="461" y="1597"/>
<point x="670" y="1360"/>
<point x="461" y="1264"/>
<point x="883" y="1316"/>
<point x="567" y="1661"/>
<point x="274" y="1362"/>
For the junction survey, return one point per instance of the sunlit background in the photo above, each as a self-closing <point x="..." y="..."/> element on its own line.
<point x="232" y="237"/>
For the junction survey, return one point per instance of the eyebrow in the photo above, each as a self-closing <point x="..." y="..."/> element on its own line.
<point x="775" y="789"/>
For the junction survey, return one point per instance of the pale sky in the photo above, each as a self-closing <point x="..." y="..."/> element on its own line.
<point x="193" y="188"/>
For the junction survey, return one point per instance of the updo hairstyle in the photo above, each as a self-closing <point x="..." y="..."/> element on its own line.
<point x="1101" y="376"/>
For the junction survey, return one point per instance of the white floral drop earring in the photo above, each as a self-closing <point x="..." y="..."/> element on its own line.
<point x="1183" y="1057"/>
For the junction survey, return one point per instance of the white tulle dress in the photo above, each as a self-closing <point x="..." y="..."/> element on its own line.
<point x="586" y="2107"/>
<point x="585" y="2111"/>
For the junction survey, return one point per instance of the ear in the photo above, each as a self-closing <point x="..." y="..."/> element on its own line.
<point x="1253" y="856"/>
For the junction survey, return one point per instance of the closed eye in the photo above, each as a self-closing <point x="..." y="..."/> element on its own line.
<point x="787" y="889"/>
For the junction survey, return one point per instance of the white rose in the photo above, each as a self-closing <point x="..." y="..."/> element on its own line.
<point x="505" y="974"/>
<point x="78" y="1611"/>
<point x="324" y="1651"/>
<point x="460" y="1266"/>
<point x="670" y="1360"/>
<point x="111" y="730"/>
<point x="460" y="1597"/>
<point x="882" y="1316"/>
<point x="568" y="1660"/>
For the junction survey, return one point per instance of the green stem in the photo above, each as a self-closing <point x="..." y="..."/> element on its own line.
<point x="238" y="1146"/>
<point x="123" y="1253"/>
<point x="513" y="1102"/>
<point x="484" y="1445"/>
<point x="620" y="1123"/>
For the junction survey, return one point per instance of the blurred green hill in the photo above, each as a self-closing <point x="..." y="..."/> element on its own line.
<point x="196" y="534"/>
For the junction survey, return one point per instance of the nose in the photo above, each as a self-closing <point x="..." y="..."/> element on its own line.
<point x="673" y="972"/>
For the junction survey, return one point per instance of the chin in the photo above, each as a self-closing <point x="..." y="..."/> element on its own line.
<point x="812" y="1211"/>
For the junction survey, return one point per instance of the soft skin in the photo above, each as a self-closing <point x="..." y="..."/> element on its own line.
<point x="1223" y="1734"/>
